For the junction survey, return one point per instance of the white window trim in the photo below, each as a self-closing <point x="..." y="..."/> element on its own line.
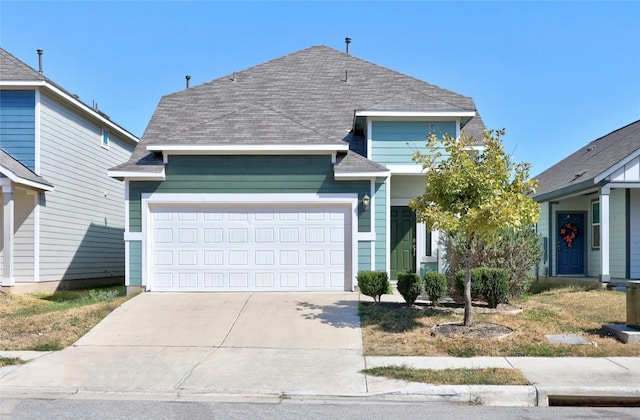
<point x="102" y="136"/>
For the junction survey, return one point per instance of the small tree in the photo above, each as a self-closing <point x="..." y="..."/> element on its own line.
<point x="473" y="193"/>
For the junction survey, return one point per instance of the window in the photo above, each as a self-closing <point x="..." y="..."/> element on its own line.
<point x="595" y="224"/>
<point x="105" y="138"/>
<point x="428" y="250"/>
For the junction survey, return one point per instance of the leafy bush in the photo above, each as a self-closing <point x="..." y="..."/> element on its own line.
<point x="495" y="285"/>
<point x="435" y="285"/>
<point x="373" y="283"/>
<point x="492" y="284"/>
<point x="516" y="251"/>
<point x="409" y="286"/>
<point x="476" y="282"/>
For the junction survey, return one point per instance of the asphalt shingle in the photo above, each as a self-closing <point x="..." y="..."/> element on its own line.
<point x="581" y="167"/>
<point x="307" y="97"/>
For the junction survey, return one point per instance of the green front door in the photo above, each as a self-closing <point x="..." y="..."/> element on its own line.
<point x="403" y="241"/>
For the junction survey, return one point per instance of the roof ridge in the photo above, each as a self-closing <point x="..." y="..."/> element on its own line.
<point x="614" y="131"/>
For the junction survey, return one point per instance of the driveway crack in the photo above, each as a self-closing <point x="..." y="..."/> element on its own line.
<point x="244" y="305"/>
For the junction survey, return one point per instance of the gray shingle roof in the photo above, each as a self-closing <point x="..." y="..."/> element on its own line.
<point x="589" y="161"/>
<point x="352" y="162"/>
<point x="313" y="92"/>
<point x="20" y="171"/>
<point x="12" y="68"/>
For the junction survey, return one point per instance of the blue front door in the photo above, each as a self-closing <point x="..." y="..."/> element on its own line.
<point x="570" y="236"/>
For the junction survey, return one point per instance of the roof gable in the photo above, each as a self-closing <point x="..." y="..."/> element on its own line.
<point x="581" y="168"/>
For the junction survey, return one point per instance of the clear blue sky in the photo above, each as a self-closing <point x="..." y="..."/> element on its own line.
<point x="556" y="75"/>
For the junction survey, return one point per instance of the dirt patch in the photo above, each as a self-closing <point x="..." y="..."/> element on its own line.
<point x="476" y="331"/>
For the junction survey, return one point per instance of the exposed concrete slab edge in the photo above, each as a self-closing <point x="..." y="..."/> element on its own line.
<point x="512" y="396"/>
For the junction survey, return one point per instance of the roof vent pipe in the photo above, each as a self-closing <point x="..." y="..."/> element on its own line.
<point x="39" y="61"/>
<point x="187" y="77"/>
<point x="347" y="41"/>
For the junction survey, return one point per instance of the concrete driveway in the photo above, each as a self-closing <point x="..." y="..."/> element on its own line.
<point x="234" y="343"/>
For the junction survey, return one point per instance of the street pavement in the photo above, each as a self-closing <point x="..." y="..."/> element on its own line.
<point x="251" y="346"/>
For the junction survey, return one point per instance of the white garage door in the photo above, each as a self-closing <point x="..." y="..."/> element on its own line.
<point x="249" y="248"/>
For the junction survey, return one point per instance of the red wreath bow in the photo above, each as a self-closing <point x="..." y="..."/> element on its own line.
<point x="569" y="232"/>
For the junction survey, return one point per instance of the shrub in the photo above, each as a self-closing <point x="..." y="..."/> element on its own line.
<point x="517" y="251"/>
<point x="476" y="282"/>
<point x="435" y="285"/>
<point x="492" y="284"/>
<point x="495" y="285"/>
<point x="409" y="286"/>
<point x="373" y="283"/>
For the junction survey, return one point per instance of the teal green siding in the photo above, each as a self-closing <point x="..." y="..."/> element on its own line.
<point x="247" y="175"/>
<point x="17" y="125"/>
<point x="135" y="263"/>
<point x="394" y="142"/>
<point x="381" y="226"/>
<point x="364" y="256"/>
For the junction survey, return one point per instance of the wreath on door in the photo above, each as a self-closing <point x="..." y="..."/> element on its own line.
<point x="569" y="232"/>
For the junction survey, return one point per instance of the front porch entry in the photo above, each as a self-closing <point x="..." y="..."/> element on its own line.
<point x="403" y="241"/>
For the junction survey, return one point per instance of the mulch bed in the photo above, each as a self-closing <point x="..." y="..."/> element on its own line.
<point x="476" y="331"/>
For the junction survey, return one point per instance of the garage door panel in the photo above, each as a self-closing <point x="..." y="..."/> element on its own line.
<point x="249" y="248"/>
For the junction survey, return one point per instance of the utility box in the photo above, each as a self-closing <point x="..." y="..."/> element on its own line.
<point x="633" y="304"/>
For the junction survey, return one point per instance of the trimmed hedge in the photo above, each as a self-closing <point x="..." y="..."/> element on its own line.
<point x="409" y="286"/>
<point x="373" y="283"/>
<point x="490" y="283"/>
<point x="435" y="285"/>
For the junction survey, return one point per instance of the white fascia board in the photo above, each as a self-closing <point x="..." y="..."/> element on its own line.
<point x="606" y="188"/>
<point x="247" y="149"/>
<point x="361" y="176"/>
<point x="406" y="169"/>
<point x="137" y="176"/>
<point x="615" y="167"/>
<point x="416" y="114"/>
<point x="18" y="180"/>
<point x="79" y="104"/>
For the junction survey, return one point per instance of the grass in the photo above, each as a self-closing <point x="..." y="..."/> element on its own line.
<point x="485" y="376"/>
<point x="54" y="321"/>
<point x="8" y="361"/>
<point x="393" y="329"/>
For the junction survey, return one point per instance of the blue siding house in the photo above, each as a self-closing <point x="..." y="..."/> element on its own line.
<point x="62" y="220"/>
<point x="292" y="175"/>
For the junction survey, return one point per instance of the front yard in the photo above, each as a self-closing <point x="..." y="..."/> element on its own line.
<point x="53" y="321"/>
<point x="393" y="328"/>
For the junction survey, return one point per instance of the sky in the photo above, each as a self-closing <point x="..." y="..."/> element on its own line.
<point x="555" y="75"/>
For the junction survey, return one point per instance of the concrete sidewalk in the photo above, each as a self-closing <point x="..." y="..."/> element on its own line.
<point x="270" y="346"/>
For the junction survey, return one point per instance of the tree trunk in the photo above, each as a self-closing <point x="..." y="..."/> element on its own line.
<point x="467" y="285"/>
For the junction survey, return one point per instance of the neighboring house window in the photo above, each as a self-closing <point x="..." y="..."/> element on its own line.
<point x="595" y="224"/>
<point x="105" y="138"/>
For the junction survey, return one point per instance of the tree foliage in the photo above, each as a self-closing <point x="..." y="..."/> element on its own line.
<point x="473" y="193"/>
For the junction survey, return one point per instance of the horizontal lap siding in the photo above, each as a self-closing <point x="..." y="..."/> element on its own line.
<point x="364" y="256"/>
<point x="17" y="125"/>
<point x="82" y="221"/>
<point x="381" y="227"/>
<point x="23" y="254"/>
<point x="618" y="232"/>
<point x="246" y="175"/>
<point x="634" y="233"/>
<point x="395" y="142"/>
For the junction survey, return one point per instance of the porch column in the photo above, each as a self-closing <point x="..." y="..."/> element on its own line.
<point x="604" y="234"/>
<point x="8" y="216"/>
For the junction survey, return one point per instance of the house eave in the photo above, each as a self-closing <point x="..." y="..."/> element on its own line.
<point x="360" y="176"/>
<point x="138" y="176"/>
<point x="247" y="149"/>
<point x="26" y="182"/>
<point x="415" y="114"/>
<point x="43" y="84"/>
<point x="581" y="188"/>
